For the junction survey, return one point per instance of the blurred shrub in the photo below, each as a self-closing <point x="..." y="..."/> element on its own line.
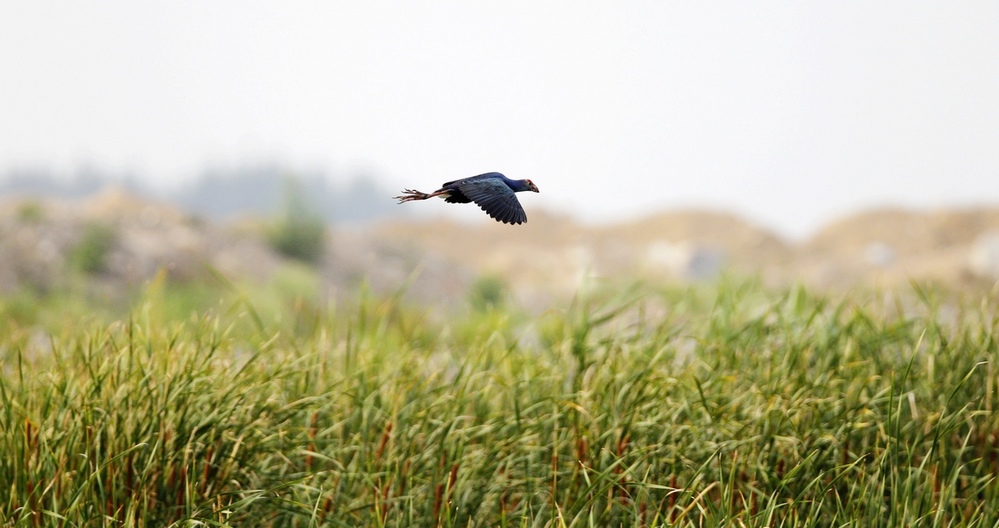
<point x="21" y="308"/>
<point x="299" y="232"/>
<point x="90" y="253"/>
<point x="296" y="281"/>
<point x="30" y="212"/>
<point x="488" y="292"/>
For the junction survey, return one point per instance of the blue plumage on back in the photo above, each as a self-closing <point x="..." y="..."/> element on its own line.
<point x="492" y="192"/>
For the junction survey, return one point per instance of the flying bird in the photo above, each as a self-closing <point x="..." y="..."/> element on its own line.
<point x="492" y="192"/>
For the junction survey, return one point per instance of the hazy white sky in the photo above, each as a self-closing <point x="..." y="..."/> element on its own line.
<point x="789" y="113"/>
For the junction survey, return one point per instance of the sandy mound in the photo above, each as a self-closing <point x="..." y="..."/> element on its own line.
<point x="892" y="246"/>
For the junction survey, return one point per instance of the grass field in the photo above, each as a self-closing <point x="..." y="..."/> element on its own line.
<point x="715" y="405"/>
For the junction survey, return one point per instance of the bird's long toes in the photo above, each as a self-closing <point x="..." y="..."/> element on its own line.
<point x="411" y="194"/>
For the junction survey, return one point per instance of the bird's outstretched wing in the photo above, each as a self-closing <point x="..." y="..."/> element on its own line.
<point x="494" y="197"/>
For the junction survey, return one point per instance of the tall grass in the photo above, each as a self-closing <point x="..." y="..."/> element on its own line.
<point x="717" y="406"/>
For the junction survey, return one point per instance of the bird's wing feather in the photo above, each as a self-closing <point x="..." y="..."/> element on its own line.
<point x="494" y="197"/>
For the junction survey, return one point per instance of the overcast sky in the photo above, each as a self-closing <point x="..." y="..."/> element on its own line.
<point x="788" y="113"/>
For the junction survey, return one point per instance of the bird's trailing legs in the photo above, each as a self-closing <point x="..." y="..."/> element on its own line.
<point x="409" y="195"/>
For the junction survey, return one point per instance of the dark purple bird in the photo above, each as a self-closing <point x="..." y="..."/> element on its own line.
<point x="492" y="192"/>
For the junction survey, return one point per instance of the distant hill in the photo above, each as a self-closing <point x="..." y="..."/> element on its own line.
<point x="222" y="192"/>
<point x="85" y="181"/>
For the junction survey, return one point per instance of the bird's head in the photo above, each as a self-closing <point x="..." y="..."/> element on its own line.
<point x="531" y="186"/>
